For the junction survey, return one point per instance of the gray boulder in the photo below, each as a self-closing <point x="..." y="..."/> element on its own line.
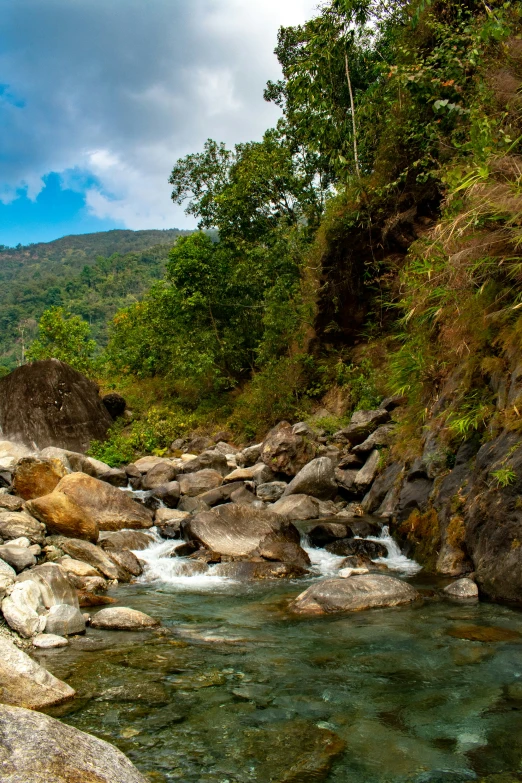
<point x="362" y="424"/>
<point x="366" y="475"/>
<point x="378" y="439"/>
<point x="168" y="493"/>
<point x="270" y="491"/>
<point x="326" y="533"/>
<point x="159" y="474"/>
<point x="121" y="618"/>
<point x="23" y="683"/>
<point x="14" y="524"/>
<point x="18" y="557"/>
<point x="295" y="507"/>
<point x="249" y="456"/>
<point x="317" y="479"/>
<point x="284" y="451"/>
<point x="10" y="502"/>
<point x="462" y="588"/>
<point x="23" y="609"/>
<point x="381" y="487"/>
<point x="211" y="459"/>
<point x="358" y="592"/>
<point x="193" y="484"/>
<point x="238" y="531"/>
<point x="64" y="620"/>
<point x="57" y="753"/>
<point x="89" y="553"/>
<point x="115" y="476"/>
<point x="54" y="585"/>
<point x="48" y="641"/>
<point x="127" y="539"/>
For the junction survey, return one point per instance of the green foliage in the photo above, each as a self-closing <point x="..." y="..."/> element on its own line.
<point x="66" y="337"/>
<point x="504" y="477"/>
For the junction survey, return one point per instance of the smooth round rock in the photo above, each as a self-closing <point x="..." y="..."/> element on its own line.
<point x="365" y="591"/>
<point x="48" y="641"/>
<point x="462" y="588"/>
<point x="122" y="618"/>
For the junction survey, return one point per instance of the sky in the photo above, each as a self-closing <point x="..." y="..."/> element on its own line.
<point x="99" y="98"/>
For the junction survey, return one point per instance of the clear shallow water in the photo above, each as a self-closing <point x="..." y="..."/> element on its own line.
<point x="239" y="690"/>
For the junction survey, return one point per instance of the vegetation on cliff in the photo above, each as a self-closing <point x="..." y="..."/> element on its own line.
<point x="369" y="243"/>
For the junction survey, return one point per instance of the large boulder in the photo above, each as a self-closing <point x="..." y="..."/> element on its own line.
<point x="87" y="553"/>
<point x="64" y="620"/>
<point x="107" y="507"/>
<point x="121" y="618"/>
<point x="126" y="539"/>
<point x="62" y="516"/>
<point x="211" y="459"/>
<point x="47" y="403"/>
<point x="54" y="585"/>
<point x="23" y="683"/>
<point x="197" y="483"/>
<point x="34" y="477"/>
<point x="354" y="594"/>
<point x="362" y="424"/>
<point x="238" y="531"/>
<point x="317" y="478"/>
<point x="15" y="524"/>
<point x="326" y="533"/>
<point x="296" y="507"/>
<point x="36" y="748"/>
<point x="161" y="473"/>
<point x="356" y="546"/>
<point x="270" y="491"/>
<point x="23" y="609"/>
<point x="285" y="451"/>
<point x="18" y="557"/>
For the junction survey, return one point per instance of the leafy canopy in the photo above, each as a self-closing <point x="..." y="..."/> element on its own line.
<point x="66" y="337"/>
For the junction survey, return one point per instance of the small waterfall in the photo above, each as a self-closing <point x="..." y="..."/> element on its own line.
<point x="394" y="560"/>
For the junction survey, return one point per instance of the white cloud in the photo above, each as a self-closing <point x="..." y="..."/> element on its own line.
<point x="121" y="89"/>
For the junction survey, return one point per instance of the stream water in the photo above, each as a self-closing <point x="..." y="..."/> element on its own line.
<point x="234" y="689"/>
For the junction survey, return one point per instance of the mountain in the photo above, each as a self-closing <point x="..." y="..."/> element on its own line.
<point x="93" y="275"/>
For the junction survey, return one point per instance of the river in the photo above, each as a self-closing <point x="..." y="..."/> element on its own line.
<point x="234" y="689"/>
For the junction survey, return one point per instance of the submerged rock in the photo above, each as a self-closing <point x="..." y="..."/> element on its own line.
<point x="48" y="641"/>
<point x="57" y="753"/>
<point x="23" y="683"/>
<point x="462" y="588"/>
<point x="64" y="620"/>
<point x="354" y="594"/>
<point x="121" y="618"/>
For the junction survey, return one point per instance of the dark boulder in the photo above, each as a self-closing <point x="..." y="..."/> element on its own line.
<point x="115" y="404"/>
<point x="317" y="479"/>
<point x="380" y="487"/>
<point x="326" y="533"/>
<point x="47" y="403"/>
<point x="357" y="546"/>
<point x="285" y="451"/>
<point x="362" y="424"/>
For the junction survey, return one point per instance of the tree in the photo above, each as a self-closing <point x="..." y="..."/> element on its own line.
<point x="66" y="337"/>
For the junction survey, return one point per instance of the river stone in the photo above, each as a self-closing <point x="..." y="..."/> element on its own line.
<point x="249" y="456"/>
<point x="23" y="683"/>
<point x="326" y="533"/>
<point x="54" y="585"/>
<point x="168" y="493"/>
<point x="161" y="473"/>
<point x="168" y="516"/>
<point x="61" y="515"/>
<point x="238" y="530"/>
<point x="57" y="753"/>
<point x="10" y="502"/>
<point x="193" y="484"/>
<point x="108" y="506"/>
<point x="270" y="491"/>
<point x="259" y="569"/>
<point x="49" y="641"/>
<point x="214" y="497"/>
<point x="127" y="539"/>
<point x="117" y="477"/>
<point x="362" y="424"/>
<point x="249" y="474"/>
<point x="127" y="562"/>
<point x="296" y="507"/>
<point x="365" y="591"/>
<point x="462" y="588"/>
<point x="207" y="460"/>
<point x="144" y="464"/>
<point x="64" y="620"/>
<point x="193" y="505"/>
<point x="357" y="546"/>
<point x="366" y="475"/>
<point x="93" y="555"/>
<point x="17" y="556"/>
<point x="285" y="451"/>
<point x="23" y="607"/>
<point x="316" y="479"/>
<point x="34" y="477"/>
<point x="74" y="567"/>
<point x="48" y="403"/>
<point x="14" y="524"/>
<point x="121" y="618"/>
<point x="288" y="552"/>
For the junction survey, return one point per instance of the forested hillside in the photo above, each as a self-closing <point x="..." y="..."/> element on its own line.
<point x="91" y="274"/>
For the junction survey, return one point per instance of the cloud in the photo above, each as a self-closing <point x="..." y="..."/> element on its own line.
<point x="121" y="89"/>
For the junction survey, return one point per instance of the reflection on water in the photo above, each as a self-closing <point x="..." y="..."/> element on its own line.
<point x="237" y="690"/>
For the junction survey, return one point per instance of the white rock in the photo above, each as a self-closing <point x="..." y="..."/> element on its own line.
<point x="47" y="641"/>
<point x="345" y="573"/>
<point x="22" y="608"/>
<point x="22" y="541"/>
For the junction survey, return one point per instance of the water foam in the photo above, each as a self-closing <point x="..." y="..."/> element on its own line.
<point x="394" y="559"/>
